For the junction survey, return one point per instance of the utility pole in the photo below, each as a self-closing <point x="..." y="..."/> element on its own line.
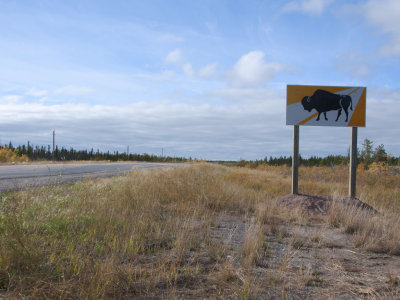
<point x="54" y="142"/>
<point x="162" y="152"/>
<point x="127" y="150"/>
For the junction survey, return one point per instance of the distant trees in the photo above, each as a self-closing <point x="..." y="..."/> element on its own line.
<point x="329" y="160"/>
<point x="368" y="154"/>
<point x="64" y="154"/>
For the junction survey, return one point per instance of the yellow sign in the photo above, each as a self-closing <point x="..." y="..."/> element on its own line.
<point x="325" y="105"/>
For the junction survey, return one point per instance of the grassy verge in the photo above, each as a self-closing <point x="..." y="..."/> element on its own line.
<point x="165" y="233"/>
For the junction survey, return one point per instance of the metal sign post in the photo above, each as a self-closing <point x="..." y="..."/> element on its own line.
<point x="353" y="163"/>
<point x="295" y="160"/>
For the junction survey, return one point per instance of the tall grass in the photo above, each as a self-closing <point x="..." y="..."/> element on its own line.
<point x="152" y="233"/>
<point x="370" y="231"/>
<point x="94" y="239"/>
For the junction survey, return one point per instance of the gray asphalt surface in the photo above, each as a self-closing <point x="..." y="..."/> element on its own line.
<point x="15" y="177"/>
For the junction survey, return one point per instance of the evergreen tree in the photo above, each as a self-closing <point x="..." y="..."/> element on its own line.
<point x="367" y="152"/>
<point x="380" y="154"/>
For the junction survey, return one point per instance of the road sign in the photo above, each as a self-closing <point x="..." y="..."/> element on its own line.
<point x="325" y="106"/>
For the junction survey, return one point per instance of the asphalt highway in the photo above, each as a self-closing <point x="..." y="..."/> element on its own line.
<point x="15" y="177"/>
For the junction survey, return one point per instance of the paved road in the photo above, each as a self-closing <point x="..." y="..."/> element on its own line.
<point x="14" y="177"/>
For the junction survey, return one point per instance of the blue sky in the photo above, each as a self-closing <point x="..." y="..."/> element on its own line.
<point x="205" y="79"/>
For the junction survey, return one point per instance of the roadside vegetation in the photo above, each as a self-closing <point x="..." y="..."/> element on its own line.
<point x="202" y="231"/>
<point x="9" y="155"/>
<point x="42" y="153"/>
<point x="367" y="155"/>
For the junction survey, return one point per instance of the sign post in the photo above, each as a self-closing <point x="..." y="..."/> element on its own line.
<point x="326" y="106"/>
<point x="295" y="161"/>
<point x="353" y="163"/>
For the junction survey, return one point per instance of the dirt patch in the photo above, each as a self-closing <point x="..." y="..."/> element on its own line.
<point x="315" y="204"/>
<point x="312" y="261"/>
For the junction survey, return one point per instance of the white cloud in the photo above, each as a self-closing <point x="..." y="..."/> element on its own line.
<point x="174" y="57"/>
<point x="36" y="93"/>
<point x="254" y="96"/>
<point x="198" y="129"/>
<point x="170" y="38"/>
<point x="383" y="106"/>
<point x="385" y="14"/>
<point x="308" y="6"/>
<point x="188" y="69"/>
<point x="72" y="90"/>
<point x="187" y="129"/>
<point x="252" y="70"/>
<point x="354" y="63"/>
<point x="10" y="99"/>
<point x="207" y="71"/>
<point x="165" y="75"/>
<point x="45" y="99"/>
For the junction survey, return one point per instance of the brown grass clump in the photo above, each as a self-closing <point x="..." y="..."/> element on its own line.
<point x="370" y="231"/>
<point x="254" y="245"/>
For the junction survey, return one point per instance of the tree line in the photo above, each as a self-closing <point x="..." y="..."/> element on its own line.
<point x="64" y="154"/>
<point x="367" y="155"/>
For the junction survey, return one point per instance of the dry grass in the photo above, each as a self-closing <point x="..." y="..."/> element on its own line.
<point x="190" y="232"/>
<point x="373" y="232"/>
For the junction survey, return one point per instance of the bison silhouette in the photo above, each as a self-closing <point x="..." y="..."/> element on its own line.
<point x="324" y="101"/>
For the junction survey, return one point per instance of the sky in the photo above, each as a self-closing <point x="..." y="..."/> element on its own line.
<point x="202" y="79"/>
